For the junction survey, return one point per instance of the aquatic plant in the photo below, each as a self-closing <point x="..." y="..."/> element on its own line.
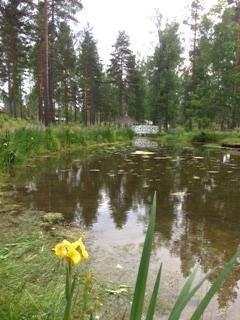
<point x="71" y="254"/>
<point x="22" y="142"/>
<point x="188" y="290"/>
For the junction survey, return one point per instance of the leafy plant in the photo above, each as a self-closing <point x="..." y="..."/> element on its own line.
<point x="71" y="254"/>
<point x="188" y="290"/>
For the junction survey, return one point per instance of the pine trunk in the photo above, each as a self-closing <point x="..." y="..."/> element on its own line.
<point x="47" y="114"/>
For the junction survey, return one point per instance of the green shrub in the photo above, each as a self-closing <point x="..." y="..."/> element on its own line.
<point x="204" y="137"/>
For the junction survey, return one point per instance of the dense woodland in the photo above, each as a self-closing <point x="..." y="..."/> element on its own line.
<point x="50" y="74"/>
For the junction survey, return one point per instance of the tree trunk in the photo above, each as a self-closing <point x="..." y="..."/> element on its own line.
<point x="87" y="108"/>
<point x="66" y="100"/>
<point x="47" y="114"/>
<point x="10" y="102"/>
<point x="52" y="63"/>
<point x="39" y="84"/>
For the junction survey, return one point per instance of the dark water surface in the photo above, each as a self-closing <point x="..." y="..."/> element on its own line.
<point x="198" y="211"/>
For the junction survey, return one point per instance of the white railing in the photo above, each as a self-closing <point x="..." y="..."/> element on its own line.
<point x="145" y="129"/>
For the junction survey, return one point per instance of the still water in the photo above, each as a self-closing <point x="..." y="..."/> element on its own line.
<point x="198" y="212"/>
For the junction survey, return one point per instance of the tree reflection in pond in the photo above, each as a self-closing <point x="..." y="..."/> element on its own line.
<point x="198" y="205"/>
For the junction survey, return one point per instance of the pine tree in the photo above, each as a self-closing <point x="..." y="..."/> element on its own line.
<point x="191" y="80"/>
<point x="51" y="14"/>
<point x="90" y="72"/>
<point x="60" y="12"/>
<point x="200" y="109"/>
<point x="225" y="74"/>
<point x="135" y="90"/>
<point x="164" y="78"/>
<point x="37" y="61"/>
<point x="15" y="20"/>
<point x="118" y="69"/>
<point x="196" y="9"/>
<point x="66" y="58"/>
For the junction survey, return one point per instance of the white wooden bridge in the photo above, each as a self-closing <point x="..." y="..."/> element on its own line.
<point x="145" y="129"/>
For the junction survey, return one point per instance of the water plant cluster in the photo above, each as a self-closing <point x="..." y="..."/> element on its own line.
<point x="20" y="140"/>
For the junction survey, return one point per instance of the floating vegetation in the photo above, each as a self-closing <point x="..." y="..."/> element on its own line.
<point x="162" y="158"/>
<point x="142" y="153"/>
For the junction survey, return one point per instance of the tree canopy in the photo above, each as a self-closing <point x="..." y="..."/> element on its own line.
<point x="66" y="80"/>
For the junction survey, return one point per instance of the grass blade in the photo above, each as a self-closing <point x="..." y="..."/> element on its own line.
<point x="152" y="304"/>
<point x="182" y="296"/>
<point x="179" y="307"/>
<point x="140" y="287"/>
<point x="215" y="287"/>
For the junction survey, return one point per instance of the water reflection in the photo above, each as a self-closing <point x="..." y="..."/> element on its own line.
<point x="198" y="218"/>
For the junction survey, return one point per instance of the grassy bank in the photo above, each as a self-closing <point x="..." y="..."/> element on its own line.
<point x="31" y="279"/>
<point x="210" y="138"/>
<point x="20" y="140"/>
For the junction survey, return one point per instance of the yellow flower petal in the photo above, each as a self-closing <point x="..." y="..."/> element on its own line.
<point x="74" y="256"/>
<point x="60" y="250"/>
<point x="81" y="247"/>
<point x="75" y="252"/>
<point x="77" y="243"/>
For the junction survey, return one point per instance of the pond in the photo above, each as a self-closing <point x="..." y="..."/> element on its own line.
<point x="198" y="212"/>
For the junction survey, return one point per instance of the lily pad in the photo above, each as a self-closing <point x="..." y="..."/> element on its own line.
<point x="162" y="158"/>
<point x="142" y="152"/>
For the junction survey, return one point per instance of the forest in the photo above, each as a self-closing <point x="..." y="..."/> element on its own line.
<point x="100" y="220"/>
<point x="51" y="74"/>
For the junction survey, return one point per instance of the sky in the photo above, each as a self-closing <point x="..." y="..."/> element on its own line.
<point x="136" y="17"/>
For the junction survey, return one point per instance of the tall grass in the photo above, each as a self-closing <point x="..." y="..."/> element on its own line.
<point x="19" y="141"/>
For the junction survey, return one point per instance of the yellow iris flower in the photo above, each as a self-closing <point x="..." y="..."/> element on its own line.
<point x="74" y="252"/>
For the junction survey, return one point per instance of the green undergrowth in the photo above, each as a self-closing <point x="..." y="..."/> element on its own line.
<point x="20" y="140"/>
<point x="31" y="278"/>
<point x="210" y="138"/>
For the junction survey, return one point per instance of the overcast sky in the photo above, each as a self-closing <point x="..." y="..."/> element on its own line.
<point x="136" y="17"/>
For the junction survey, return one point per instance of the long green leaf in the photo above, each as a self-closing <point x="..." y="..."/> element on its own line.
<point x="152" y="304"/>
<point x="183" y="295"/>
<point x="140" y="287"/>
<point x="180" y="306"/>
<point x="215" y="287"/>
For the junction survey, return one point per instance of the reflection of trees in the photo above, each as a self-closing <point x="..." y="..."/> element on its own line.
<point x="197" y="218"/>
<point x="210" y="214"/>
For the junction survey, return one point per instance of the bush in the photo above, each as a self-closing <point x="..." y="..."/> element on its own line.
<point x="204" y="137"/>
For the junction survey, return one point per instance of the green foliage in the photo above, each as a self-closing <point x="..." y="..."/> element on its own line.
<point x="66" y="57"/>
<point x="188" y="290"/>
<point x="200" y="93"/>
<point x="139" y="294"/>
<point x="153" y="300"/>
<point x="207" y="136"/>
<point x="23" y="142"/>
<point x="91" y="79"/>
<point x="198" y="313"/>
<point x="163" y="76"/>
